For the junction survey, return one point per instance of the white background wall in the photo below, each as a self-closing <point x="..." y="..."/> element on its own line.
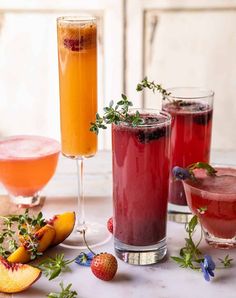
<point x="175" y="42"/>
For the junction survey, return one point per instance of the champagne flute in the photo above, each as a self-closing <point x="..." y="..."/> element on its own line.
<point x="77" y="59"/>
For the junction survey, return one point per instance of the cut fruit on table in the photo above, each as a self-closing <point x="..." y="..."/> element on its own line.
<point x="45" y="236"/>
<point x="16" y="277"/>
<point x="64" y="225"/>
<point x="54" y="232"/>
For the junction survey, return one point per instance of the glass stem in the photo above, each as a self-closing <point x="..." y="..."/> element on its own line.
<point x="81" y="210"/>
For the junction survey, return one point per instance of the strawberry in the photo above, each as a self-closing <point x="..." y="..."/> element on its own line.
<point x="104" y="266"/>
<point x="110" y="225"/>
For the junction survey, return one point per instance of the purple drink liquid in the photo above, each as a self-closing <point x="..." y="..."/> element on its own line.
<point x="140" y="180"/>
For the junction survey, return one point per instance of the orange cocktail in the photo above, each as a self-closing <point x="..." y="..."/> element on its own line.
<point x="77" y="56"/>
<point x="27" y="163"/>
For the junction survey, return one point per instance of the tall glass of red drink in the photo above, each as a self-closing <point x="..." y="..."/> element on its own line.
<point x="191" y="110"/>
<point x="141" y="163"/>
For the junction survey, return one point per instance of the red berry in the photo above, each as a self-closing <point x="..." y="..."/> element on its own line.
<point x="110" y="225"/>
<point x="104" y="266"/>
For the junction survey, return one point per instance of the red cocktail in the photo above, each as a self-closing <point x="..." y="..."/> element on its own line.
<point x="191" y="110"/>
<point x="140" y="186"/>
<point x="213" y="199"/>
<point x="27" y="163"/>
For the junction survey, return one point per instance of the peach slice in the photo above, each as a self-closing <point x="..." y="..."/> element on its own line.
<point x="63" y="224"/>
<point x="16" y="277"/>
<point x="45" y="236"/>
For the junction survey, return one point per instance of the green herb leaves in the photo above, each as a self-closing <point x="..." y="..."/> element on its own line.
<point x="115" y="114"/>
<point x="226" y="261"/>
<point x="202" y="165"/>
<point x="120" y="111"/>
<point x="152" y="86"/>
<point x="52" y="267"/>
<point x="25" y="226"/>
<point x="190" y="255"/>
<point x="65" y="292"/>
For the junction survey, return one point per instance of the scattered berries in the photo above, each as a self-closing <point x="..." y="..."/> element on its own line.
<point x="110" y="225"/>
<point x="104" y="266"/>
<point x="181" y="173"/>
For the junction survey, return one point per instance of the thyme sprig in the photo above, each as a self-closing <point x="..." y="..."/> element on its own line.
<point x="24" y="225"/>
<point x="116" y="113"/>
<point x="145" y="83"/>
<point x="190" y="256"/>
<point x="65" y="292"/>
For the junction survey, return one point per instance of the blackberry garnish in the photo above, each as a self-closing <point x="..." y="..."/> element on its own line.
<point x="146" y="136"/>
<point x="203" y="119"/>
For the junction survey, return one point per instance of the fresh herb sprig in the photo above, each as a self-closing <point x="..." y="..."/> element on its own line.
<point x="190" y="256"/>
<point x="116" y="113"/>
<point x="52" y="267"/>
<point x="226" y="261"/>
<point x="145" y="83"/>
<point x="25" y="225"/>
<point x="65" y="292"/>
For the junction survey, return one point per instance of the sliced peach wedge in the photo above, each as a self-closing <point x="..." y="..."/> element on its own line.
<point x="63" y="225"/>
<point x="16" y="277"/>
<point x="45" y="236"/>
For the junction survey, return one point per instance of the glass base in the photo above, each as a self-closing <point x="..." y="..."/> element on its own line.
<point x="219" y="242"/>
<point x="141" y="255"/>
<point x="95" y="234"/>
<point x="26" y="202"/>
<point x="179" y="213"/>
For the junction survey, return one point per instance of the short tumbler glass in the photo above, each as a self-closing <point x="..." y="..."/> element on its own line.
<point x="141" y="163"/>
<point x="213" y="199"/>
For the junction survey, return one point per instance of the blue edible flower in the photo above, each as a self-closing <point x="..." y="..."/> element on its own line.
<point x="181" y="173"/>
<point x="84" y="259"/>
<point x="207" y="267"/>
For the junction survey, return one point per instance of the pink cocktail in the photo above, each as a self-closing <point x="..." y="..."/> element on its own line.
<point x="27" y="163"/>
<point x="140" y="187"/>
<point x="213" y="199"/>
<point x="190" y="135"/>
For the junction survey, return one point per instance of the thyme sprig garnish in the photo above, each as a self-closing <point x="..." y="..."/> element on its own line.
<point x="24" y="225"/>
<point x="145" y="83"/>
<point x="52" y="267"/>
<point x="116" y="113"/>
<point x="65" y="292"/>
<point x="190" y="256"/>
<point x="120" y="112"/>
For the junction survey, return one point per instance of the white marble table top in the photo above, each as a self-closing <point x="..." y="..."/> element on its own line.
<point x="164" y="280"/>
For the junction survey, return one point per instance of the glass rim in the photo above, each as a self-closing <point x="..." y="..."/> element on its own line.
<point x="168" y="117"/>
<point x="207" y="93"/>
<point x="76" y="19"/>
<point x="55" y="150"/>
<point x="216" y="165"/>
